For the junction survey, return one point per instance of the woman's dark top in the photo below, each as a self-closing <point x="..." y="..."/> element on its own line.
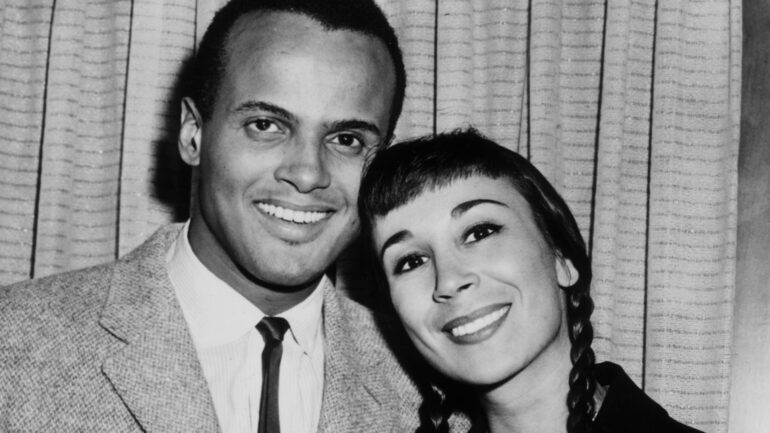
<point x="627" y="409"/>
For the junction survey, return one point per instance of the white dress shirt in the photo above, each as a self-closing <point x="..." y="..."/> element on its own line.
<point x="223" y="328"/>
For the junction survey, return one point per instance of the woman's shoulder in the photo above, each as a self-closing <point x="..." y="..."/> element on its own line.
<point x="626" y="408"/>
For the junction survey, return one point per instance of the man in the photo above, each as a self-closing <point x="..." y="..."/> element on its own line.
<point x="288" y="99"/>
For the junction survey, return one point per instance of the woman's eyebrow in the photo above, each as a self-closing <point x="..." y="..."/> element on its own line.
<point x="463" y="207"/>
<point x="396" y="238"/>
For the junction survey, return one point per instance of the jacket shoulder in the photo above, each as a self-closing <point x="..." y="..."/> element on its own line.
<point x="50" y="349"/>
<point x="373" y="331"/>
<point x="53" y="344"/>
<point x="67" y="297"/>
<point x="76" y="296"/>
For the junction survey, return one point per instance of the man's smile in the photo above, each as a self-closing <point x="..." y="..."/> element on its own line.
<point x="293" y="215"/>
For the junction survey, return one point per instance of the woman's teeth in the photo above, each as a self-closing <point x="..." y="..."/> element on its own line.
<point x="294" y="216"/>
<point x="480" y="323"/>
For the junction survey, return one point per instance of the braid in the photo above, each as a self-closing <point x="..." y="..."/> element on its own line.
<point x="582" y="382"/>
<point x="434" y="410"/>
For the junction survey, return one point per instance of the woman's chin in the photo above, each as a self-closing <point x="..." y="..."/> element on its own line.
<point x="475" y="376"/>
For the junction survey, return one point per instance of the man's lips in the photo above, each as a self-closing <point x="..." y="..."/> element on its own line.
<point x="297" y="216"/>
<point x="476" y="321"/>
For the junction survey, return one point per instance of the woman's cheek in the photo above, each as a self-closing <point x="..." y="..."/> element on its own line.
<point x="412" y="299"/>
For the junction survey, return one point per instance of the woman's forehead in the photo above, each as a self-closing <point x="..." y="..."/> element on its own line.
<point x="455" y="197"/>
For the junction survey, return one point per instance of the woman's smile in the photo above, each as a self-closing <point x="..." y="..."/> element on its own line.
<point x="477" y="326"/>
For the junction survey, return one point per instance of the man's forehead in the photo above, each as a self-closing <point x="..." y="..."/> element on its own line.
<point x="265" y="48"/>
<point x="264" y="30"/>
<point x="265" y="33"/>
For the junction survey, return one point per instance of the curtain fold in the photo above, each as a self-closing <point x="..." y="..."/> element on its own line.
<point x="415" y="25"/>
<point x="163" y="36"/>
<point x="693" y="207"/>
<point x="481" y="68"/>
<point x="619" y="237"/>
<point x="81" y="146"/>
<point x="630" y="107"/>
<point x="24" y="47"/>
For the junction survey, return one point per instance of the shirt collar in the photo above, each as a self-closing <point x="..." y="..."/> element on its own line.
<point x="305" y="318"/>
<point x="216" y="314"/>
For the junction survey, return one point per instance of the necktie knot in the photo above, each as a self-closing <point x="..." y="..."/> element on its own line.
<point x="273" y="328"/>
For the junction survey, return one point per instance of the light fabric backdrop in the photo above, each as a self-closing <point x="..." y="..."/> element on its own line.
<point x="630" y="107"/>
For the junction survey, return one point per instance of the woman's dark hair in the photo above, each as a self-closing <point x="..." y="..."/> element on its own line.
<point x="399" y="174"/>
<point x="361" y="16"/>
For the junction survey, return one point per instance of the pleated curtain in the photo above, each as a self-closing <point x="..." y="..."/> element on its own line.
<point x="630" y="107"/>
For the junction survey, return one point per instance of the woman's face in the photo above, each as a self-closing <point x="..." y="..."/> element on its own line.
<point x="474" y="281"/>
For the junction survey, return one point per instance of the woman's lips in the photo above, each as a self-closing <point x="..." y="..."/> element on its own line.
<point x="477" y="326"/>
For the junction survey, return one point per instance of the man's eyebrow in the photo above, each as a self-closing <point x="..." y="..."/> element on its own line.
<point x="341" y="125"/>
<point x="467" y="205"/>
<point x="396" y="238"/>
<point x="250" y="106"/>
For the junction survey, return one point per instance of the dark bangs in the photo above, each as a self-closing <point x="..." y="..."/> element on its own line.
<point x="403" y="171"/>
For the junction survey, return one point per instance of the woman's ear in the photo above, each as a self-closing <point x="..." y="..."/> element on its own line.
<point x="189" y="142"/>
<point x="566" y="274"/>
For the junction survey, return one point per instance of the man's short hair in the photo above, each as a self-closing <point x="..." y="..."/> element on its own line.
<point x="362" y="16"/>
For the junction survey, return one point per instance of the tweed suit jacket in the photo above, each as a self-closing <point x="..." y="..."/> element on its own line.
<point x="107" y="349"/>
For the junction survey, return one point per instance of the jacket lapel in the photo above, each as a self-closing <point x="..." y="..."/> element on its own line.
<point x="156" y="371"/>
<point x="357" y="396"/>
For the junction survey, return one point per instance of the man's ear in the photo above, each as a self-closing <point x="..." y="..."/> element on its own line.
<point x="189" y="142"/>
<point x="566" y="274"/>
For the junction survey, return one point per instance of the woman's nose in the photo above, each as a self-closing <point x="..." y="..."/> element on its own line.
<point x="452" y="277"/>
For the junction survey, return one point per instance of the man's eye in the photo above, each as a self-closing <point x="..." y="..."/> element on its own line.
<point x="408" y="263"/>
<point x="264" y="125"/>
<point x="479" y="232"/>
<point x="348" y="142"/>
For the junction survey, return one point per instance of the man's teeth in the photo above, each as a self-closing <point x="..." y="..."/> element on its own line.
<point x="295" y="216"/>
<point x="480" y="323"/>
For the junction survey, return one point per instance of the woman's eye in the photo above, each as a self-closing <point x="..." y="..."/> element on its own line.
<point x="408" y="263"/>
<point x="479" y="232"/>
<point x="264" y="125"/>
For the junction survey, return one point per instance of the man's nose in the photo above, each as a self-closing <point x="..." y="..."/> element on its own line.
<point x="304" y="166"/>
<point x="452" y="277"/>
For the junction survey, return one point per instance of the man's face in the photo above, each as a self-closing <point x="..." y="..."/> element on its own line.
<point x="297" y="112"/>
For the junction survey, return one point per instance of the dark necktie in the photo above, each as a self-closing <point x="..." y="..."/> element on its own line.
<point x="272" y="330"/>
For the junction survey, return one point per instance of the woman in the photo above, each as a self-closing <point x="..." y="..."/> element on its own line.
<point x="488" y="272"/>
